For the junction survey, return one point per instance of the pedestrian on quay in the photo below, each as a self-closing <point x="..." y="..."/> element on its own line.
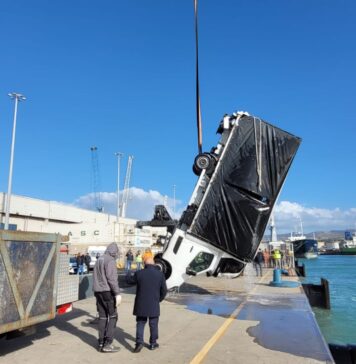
<point x="87" y="260"/>
<point x="147" y="254"/>
<point x="258" y="262"/>
<point x="80" y="263"/>
<point x="138" y="260"/>
<point x="107" y="292"/>
<point x="283" y="259"/>
<point x="271" y="259"/>
<point x="129" y="260"/>
<point x="277" y="258"/>
<point x="289" y="258"/>
<point x="266" y="258"/>
<point x="151" y="289"/>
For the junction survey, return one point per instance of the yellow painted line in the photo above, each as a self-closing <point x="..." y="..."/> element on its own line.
<point x="222" y="329"/>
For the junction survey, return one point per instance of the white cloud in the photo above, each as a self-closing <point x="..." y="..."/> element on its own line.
<point x="140" y="203"/>
<point x="289" y="214"/>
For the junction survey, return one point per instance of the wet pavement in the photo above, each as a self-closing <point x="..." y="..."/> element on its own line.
<point x="220" y="305"/>
<point x="210" y="320"/>
<point x="281" y="327"/>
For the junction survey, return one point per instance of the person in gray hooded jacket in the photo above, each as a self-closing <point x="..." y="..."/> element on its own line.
<point x="107" y="293"/>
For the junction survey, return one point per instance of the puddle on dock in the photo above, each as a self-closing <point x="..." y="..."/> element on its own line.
<point x="219" y="305"/>
<point x="285" y="328"/>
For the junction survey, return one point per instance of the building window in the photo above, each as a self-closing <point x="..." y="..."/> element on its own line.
<point x="83" y="233"/>
<point x="96" y="232"/>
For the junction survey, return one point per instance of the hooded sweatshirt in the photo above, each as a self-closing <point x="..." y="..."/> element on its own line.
<point x="105" y="272"/>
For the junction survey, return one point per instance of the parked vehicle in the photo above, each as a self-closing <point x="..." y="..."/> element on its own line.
<point x="73" y="266"/>
<point x="95" y="251"/>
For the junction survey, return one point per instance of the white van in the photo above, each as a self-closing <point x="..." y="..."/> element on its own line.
<point x="93" y="252"/>
<point x="224" y="222"/>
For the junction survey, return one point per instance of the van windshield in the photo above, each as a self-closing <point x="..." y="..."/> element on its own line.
<point x="201" y="262"/>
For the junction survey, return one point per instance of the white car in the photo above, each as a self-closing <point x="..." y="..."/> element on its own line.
<point x="94" y="251"/>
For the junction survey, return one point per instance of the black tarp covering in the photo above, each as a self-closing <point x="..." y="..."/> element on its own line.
<point x="238" y="202"/>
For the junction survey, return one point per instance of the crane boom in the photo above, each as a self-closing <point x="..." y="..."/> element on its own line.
<point x="96" y="179"/>
<point x="126" y="191"/>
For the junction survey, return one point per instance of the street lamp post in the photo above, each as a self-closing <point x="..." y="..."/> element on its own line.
<point x="119" y="155"/>
<point x="17" y="97"/>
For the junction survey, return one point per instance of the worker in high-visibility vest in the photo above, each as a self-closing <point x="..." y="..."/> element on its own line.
<point x="277" y="258"/>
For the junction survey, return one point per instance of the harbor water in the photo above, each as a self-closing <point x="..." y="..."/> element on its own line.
<point x="337" y="324"/>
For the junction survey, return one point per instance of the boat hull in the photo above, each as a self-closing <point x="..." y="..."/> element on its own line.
<point x="305" y="248"/>
<point x="348" y="251"/>
<point x="311" y="255"/>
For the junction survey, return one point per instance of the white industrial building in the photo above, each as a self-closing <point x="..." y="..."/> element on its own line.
<point x="83" y="227"/>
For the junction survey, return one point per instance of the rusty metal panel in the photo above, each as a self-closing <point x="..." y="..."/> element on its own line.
<point x="68" y="284"/>
<point x="28" y="278"/>
<point x="7" y="313"/>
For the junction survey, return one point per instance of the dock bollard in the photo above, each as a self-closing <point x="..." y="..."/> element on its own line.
<point x="277" y="280"/>
<point x="276" y="275"/>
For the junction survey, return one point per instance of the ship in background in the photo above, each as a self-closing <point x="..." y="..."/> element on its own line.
<point x="348" y="246"/>
<point x="306" y="248"/>
<point x="303" y="247"/>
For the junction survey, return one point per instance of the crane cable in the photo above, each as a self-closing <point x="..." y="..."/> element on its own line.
<point x="199" y="122"/>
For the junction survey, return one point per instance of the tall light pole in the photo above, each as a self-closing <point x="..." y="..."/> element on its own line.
<point x="17" y="97"/>
<point x="119" y="155"/>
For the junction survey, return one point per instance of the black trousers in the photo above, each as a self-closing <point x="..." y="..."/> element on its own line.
<point x="106" y="305"/>
<point x="140" y="328"/>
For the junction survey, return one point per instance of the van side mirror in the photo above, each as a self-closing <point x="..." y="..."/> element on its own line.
<point x="190" y="272"/>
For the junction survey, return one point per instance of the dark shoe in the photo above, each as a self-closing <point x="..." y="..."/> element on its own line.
<point x="138" y="348"/>
<point x="100" y="347"/>
<point x="154" y="346"/>
<point x="110" y="348"/>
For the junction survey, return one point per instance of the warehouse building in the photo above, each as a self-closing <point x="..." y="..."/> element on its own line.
<point x="83" y="227"/>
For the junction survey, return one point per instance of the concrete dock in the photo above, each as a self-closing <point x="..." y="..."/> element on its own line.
<point x="211" y="320"/>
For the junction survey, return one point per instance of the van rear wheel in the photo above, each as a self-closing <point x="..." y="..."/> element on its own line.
<point x="204" y="161"/>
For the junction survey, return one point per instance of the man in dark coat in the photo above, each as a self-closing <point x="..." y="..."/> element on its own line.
<point x="258" y="262"/>
<point x="107" y="293"/>
<point x="129" y="260"/>
<point x="87" y="260"/>
<point x="150" y="291"/>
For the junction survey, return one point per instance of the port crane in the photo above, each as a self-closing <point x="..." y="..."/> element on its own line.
<point x="126" y="191"/>
<point x="96" y="178"/>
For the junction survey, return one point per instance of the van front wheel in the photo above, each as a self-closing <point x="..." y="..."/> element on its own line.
<point x="163" y="265"/>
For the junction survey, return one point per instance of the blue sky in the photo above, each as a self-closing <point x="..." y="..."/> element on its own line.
<point x="120" y="75"/>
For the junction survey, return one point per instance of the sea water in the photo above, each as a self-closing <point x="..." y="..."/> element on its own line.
<point x="338" y="324"/>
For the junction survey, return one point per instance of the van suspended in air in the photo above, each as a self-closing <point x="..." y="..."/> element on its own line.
<point x="224" y="222"/>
